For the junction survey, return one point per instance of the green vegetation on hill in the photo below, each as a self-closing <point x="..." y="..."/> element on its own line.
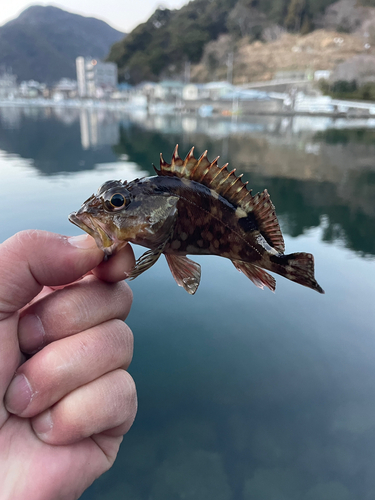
<point x="343" y="89"/>
<point x="169" y="39"/>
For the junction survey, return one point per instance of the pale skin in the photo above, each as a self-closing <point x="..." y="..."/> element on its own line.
<point x="66" y="399"/>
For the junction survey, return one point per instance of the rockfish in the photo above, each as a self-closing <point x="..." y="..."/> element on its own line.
<point x="193" y="207"/>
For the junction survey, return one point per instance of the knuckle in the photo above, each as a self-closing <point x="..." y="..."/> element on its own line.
<point x="120" y="337"/>
<point x="129" y="390"/>
<point x="123" y="297"/>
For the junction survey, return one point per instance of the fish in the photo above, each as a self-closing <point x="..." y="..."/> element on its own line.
<point x="193" y="207"/>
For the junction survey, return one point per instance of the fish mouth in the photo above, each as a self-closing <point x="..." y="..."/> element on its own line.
<point x="93" y="228"/>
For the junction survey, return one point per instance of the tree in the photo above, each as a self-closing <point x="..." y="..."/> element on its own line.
<point x="295" y="15"/>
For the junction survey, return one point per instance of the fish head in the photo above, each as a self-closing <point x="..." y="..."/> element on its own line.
<point x="120" y="212"/>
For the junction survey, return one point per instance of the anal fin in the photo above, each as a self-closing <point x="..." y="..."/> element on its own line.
<point x="186" y="272"/>
<point x="258" y="276"/>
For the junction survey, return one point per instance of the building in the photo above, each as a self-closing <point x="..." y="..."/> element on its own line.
<point x="168" y="90"/>
<point x="8" y="85"/>
<point x="194" y="91"/>
<point x="95" y="78"/>
<point x="32" y="88"/>
<point x="216" y="90"/>
<point x="322" y="74"/>
<point x="65" y="89"/>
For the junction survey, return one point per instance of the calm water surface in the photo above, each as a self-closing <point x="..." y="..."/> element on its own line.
<point x="243" y="394"/>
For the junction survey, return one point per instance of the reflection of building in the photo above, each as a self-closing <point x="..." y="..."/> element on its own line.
<point x="10" y="117"/>
<point x="95" y="78"/>
<point x="98" y="128"/>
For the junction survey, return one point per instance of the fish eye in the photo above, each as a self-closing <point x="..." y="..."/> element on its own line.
<point x="117" y="200"/>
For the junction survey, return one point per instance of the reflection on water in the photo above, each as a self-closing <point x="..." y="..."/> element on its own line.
<point x="243" y="394"/>
<point x="315" y="179"/>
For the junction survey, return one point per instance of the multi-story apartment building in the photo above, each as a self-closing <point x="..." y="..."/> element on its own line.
<point x="95" y="78"/>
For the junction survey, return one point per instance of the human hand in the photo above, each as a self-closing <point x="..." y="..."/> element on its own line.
<point x="63" y="415"/>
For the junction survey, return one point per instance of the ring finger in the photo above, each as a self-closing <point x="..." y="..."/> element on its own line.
<point x="67" y="364"/>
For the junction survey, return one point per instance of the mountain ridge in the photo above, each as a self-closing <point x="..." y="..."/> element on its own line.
<point x="42" y="43"/>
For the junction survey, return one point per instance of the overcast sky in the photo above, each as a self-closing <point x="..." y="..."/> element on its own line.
<point x="123" y="15"/>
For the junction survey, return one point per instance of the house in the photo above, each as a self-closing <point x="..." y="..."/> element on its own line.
<point x="216" y="90"/>
<point x="146" y="89"/>
<point x="124" y="91"/>
<point x="31" y="88"/>
<point x="64" y="89"/>
<point x="194" y="92"/>
<point x="322" y="74"/>
<point x="168" y="90"/>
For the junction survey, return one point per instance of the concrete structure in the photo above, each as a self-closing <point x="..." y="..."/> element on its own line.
<point x="95" y="78"/>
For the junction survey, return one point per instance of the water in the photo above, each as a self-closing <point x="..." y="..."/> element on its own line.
<point x="243" y="394"/>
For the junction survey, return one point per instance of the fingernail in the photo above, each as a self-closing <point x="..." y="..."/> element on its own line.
<point x="31" y="333"/>
<point x="83" y="241"/>
<point x="18" y="395"/>
<point x="42" y="424"/>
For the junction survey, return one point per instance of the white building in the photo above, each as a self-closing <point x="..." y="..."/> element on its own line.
<point x="32" y="88"/>
<point x="95" y="78"/>
<point x="65" y="88"/>
<point x="322" y="74"/>
<point x="8" y="85"/>
<point x="168" y="90"/>
<point x="217" y="89"/>
<point x="194" y="91"/>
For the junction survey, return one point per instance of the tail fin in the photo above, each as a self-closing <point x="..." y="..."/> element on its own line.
<point x="298" y="267"/>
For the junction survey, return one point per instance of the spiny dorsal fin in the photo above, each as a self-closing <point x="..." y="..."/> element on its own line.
<point x="230" y="187"/>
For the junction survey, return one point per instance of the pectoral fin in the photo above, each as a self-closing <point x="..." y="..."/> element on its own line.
<point x="186" y="272"/>
<point x="144" y="262"/>
<point x="257" y="275"/>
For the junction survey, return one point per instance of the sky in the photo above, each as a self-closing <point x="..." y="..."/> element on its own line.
<point x="124" y="15"/>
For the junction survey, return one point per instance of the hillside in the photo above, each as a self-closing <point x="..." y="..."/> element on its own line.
<point x="43" y="43"/>
<point x="259" y="61"/>
<point x="264" y="36"/>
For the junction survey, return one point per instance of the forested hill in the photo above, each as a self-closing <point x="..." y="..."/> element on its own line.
<point x="161" y="46"/>
<point x="42" y="43"/>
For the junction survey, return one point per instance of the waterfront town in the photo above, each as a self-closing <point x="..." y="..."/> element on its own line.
<point x="289" y="92"/>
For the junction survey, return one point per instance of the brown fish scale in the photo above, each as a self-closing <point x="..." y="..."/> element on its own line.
<point x="230" y="187"/>
<point x="208" y="226"/>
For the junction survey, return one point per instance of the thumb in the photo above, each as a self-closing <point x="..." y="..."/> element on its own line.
<point x="31" y="259"/>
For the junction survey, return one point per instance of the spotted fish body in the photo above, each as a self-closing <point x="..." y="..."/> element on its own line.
<point x="194" y="207"/>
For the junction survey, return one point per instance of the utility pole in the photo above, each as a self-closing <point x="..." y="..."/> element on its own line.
<point x="230" y="67"/>
<point x="187" y="72"/>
